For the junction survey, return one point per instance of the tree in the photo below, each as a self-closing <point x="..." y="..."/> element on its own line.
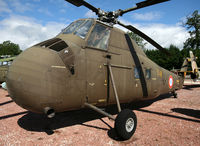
<point x="174" y="60"/>
<point x="9" y="48"/>
<point x="193" y="25"/>
<point x="140" y="41"/>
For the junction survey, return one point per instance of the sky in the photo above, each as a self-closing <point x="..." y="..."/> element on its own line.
<point x="27" y="22"/>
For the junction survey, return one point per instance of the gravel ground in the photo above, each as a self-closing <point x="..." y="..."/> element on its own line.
<point x="168" y="121"/>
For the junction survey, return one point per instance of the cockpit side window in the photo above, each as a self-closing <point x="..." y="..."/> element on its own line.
<point x="99" y="37"/>
<point x="72" y="27"/>
<point x="83" y="29"/>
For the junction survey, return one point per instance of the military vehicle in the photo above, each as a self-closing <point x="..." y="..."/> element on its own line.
<point x="189" y="68"/>
<point x="5" y="62"/>
<point x="90" y="64"/>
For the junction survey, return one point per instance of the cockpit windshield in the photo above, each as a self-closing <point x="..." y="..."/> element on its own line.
<point x="99" y="37"/>
<point x="83" y="29"/>
<point x="79" y="28"/>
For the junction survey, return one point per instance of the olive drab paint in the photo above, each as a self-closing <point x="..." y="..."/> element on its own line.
<point x="66" y="71"/>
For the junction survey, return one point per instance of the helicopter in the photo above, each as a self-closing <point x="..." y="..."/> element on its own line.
<point x="194" y="72"/>
<point x="90" y="64"/>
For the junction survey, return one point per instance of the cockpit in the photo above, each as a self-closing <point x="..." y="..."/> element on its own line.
<point x="99" y="36"/>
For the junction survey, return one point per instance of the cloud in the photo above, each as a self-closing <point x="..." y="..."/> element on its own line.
<point x="27" y="31"/>
<point x="4" y="7"/>
<point x="90" y="14"/>
<point x="166" y="34"/>
<point x="45" y="11"/>
<point x="163" y="34"/>
<point x="147" y="16"/>
<point x="21" y="7"/>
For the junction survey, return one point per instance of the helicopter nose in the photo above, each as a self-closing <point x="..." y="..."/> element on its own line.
<point x="29" y="82"/>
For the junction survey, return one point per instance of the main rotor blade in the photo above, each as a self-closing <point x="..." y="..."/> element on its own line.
<point x="79" y="3"/>
<point x="142" y="5"/>
<point x="144" y="36"/>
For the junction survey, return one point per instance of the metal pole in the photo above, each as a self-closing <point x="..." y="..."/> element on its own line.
<point x="114" y="88"/>
<point x="100" y="111"/>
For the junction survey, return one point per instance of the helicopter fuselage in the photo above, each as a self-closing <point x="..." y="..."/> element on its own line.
<point x="65" y="72"/>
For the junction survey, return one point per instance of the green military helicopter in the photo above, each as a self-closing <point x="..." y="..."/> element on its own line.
<point x="90" y="64"/>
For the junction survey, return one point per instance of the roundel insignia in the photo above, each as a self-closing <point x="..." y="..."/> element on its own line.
<point x="171" y="81"/>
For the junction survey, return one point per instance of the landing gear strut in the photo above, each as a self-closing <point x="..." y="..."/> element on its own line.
<point x="126" y="120"/>
<point x="174" y="94"/>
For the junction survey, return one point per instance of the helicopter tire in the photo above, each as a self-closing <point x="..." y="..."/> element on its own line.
<point x="125" y="124"/>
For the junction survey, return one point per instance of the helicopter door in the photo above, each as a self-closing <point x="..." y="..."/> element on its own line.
<point x="95" y="66"/>
<point x="149" y="81"/>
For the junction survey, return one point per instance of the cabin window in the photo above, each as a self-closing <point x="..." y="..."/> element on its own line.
<point x="99" y="37"/>
<point x="83" y="29"/>
<point x="148" y="73"/>
<point x="55" y="44"/>
<point x="136" y="73"/>
<point x="49" y="42"/>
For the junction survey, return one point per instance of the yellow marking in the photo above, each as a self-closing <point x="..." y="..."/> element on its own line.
<point x="94" y="103"/>
<point x="100" y="66"/>
<point x="53" y="66"/>
<point x="102" y="100"/>
<point x="105" y="84"/>
<point x="161" y="74"/>
<point x="136" y="85"/>
<point x="184" y="74"/>
<point x="154" y="79"/>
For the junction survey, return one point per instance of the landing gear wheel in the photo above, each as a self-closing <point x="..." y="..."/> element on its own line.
<point x="125" y="124"/>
